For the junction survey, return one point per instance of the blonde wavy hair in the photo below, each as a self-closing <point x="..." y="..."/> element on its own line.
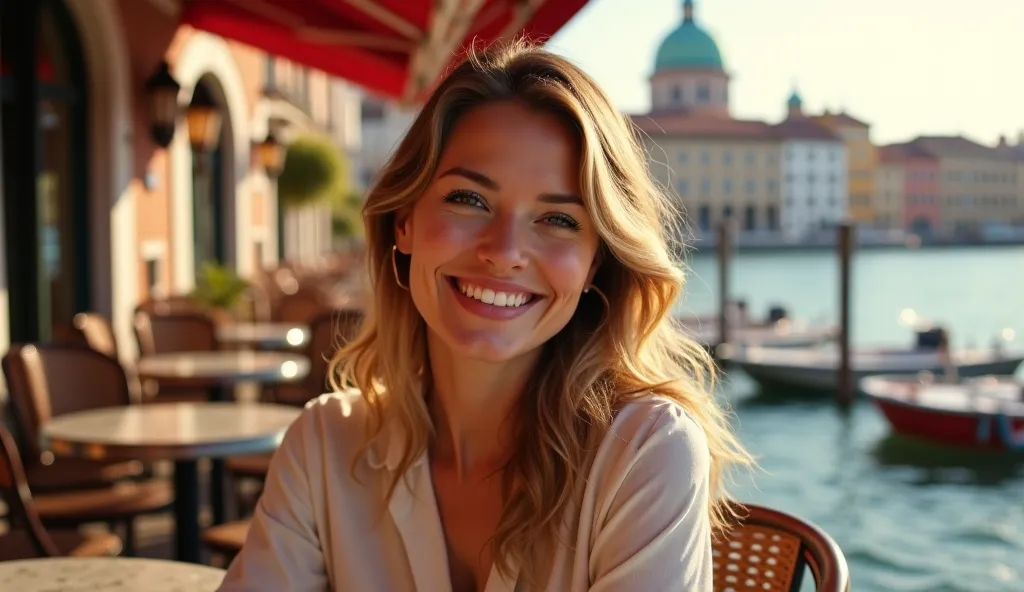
<point x="601" y="359"/>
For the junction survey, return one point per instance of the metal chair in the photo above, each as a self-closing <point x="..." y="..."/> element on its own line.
<point x="768" y="550"/>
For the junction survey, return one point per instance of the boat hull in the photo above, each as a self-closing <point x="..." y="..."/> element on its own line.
<point x="782" y="377"/>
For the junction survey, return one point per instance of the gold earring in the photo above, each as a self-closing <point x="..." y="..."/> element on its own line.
<point x="599" y="293"/>
<point x="394" y="267"/>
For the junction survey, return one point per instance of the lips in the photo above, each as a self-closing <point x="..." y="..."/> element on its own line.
<point x="489" y="295"/>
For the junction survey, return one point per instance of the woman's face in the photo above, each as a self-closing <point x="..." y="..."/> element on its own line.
<point x="501" y="244"/>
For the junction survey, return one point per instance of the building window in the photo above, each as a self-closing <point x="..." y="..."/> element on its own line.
<point x="683" y="156"/>
<point x="751" y="218"/>
<point x="705" y="186"/>
<point x="371" y="110"/>
<point x="727" y="157"/>
<point x="773" y="187"/>
<point x="705" y="218"/>
<point x="705" y="157"/>
<point x="727" y="186"/>
<point x="703" y="94"/>
<point x="727" y="212"/>
<point x="676" y="93"/>
<point x="773" y="218"/>
<point x="683" y="187"/>
<point x="751" y="187"/>
<point x="751" y="157"/>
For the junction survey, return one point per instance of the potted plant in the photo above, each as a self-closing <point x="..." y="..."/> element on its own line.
<point x="220" y="290"/>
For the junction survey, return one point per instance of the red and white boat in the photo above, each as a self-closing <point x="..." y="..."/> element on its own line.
<point x="986" y="413"/>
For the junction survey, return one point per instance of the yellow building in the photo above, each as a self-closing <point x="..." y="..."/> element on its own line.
<point x="861" y="161"/>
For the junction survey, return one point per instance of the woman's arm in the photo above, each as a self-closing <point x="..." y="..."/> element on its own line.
<point x="656" y="532"/>
<point x="282" y="551"/>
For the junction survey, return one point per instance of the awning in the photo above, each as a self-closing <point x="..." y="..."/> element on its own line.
<point x="398" y="48"/>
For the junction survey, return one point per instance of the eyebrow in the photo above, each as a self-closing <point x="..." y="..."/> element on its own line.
<point x="485" y="181"/>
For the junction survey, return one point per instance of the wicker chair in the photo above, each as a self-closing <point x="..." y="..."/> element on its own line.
<point x="768" y="550"/>
<point x="28" y="538"/>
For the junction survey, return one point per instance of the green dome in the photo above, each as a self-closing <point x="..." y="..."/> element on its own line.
<point x="689" y="46"/>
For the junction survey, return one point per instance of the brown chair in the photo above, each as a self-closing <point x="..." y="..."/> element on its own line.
<point x="768" y="550"/>
<point x="226" y="539"/>
<point x="97" y="333"/>
<point x="28" y="538"/>
<point x="300" y="307"/>
<point x="47" y="381"/>
<point x="174" y="333"/>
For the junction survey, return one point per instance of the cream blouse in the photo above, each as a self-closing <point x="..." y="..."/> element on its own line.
<point x="641" y="525"/>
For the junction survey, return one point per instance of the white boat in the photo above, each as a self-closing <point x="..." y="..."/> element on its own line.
<point x="816" y="368"/>
<point x="777" y="330"/>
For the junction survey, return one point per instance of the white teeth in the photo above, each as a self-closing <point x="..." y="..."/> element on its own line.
<point x="488" y="296"/>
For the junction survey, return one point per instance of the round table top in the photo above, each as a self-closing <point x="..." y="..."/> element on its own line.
<point x="268" y="335"/>
<point x="110" y="574"/>
<point x="169" y="430"/>
<point x="226" y="366"/>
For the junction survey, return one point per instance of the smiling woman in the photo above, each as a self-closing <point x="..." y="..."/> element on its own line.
<point x="518" y="411"/>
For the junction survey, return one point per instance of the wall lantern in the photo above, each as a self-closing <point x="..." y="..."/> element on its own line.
<point x="270" y="155"/>
<point x="162" y="91"/>
<point x="204" y="120"/>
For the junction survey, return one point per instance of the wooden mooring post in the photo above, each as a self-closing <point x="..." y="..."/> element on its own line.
<point x="845" y="243"/>
<point x="724" y="248"/>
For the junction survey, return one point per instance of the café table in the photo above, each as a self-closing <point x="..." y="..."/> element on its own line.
<point x="110" y="574"/>
<point x="182" y="432"/>
<point x="224" y="369"/>
<point x="263" y="335"/>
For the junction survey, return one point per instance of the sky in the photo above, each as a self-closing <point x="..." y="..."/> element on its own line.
<point x="907" y="67"/>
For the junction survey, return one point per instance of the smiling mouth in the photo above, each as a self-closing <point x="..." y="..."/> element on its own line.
<point x="492" y="297"/>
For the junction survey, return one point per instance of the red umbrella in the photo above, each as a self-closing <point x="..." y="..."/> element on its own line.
<point x="398" y="48"/>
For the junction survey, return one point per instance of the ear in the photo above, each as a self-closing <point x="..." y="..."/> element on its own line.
<point x="403" y="229"/>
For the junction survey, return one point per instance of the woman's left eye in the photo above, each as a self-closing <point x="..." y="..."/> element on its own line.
<point x="563" y="221"/>
<point x="465" y="197"/>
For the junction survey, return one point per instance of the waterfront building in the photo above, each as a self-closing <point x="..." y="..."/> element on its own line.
<point x="860" y="165"/>
<point x="718" y="166"/>
<point x="813" y="168"/>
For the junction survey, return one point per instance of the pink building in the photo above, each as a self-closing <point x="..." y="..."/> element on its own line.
<point x="922" y="213"/>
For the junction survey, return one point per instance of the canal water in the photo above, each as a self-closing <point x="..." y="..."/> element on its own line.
<point x="909" y="516"/>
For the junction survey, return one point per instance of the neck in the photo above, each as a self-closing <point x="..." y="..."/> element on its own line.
<point x="472" y="405"/>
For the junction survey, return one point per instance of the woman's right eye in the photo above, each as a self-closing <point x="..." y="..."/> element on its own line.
<point x="465" y="197"/>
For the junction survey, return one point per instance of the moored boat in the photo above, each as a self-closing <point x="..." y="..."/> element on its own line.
<point x="776" y="330"/>
<point x="816" y="368"/>
<point x="977" y="413"/>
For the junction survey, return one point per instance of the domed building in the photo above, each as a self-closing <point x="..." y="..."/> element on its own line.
<point x="688" y="70"/>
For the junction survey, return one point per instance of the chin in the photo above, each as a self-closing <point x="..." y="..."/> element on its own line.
<point x="488" y="348"/>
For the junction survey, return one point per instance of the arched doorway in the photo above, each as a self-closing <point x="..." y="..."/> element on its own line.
<point x="47" y="254"/>
<point x="208" y="180"/>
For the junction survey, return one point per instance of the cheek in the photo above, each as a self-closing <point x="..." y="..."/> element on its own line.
<point x="566" y="267"/>
<point x="441" y="233"/>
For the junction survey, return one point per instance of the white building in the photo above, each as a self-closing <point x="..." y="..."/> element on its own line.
<point x="383" y="124"/>
<point x="814" y="188"/>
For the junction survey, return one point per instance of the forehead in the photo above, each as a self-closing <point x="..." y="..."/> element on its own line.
<point x="511" y="143"/>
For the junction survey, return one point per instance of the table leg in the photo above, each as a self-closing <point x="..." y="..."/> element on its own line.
<point x="219" y="490"/>
<point x="218" y="499"/>
<point x="186" y="511"/>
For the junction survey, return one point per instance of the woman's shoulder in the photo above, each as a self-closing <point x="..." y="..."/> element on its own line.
<point x="333" y="423"/>
<point x="660" y="429"/>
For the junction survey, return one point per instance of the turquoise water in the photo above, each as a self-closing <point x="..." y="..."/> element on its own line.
<point x="909" y="517"/>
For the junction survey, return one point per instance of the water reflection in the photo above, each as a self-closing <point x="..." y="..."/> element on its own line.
<point x="933" y="464"/>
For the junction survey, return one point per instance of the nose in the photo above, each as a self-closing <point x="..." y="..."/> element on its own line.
<point x="502" y="246"/>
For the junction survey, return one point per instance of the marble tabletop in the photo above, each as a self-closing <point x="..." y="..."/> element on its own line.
<point x="226" y="366"/>
<point x="283" y="335"/>
<point x="169" y="430"/>
<point x="107" y="574"/>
